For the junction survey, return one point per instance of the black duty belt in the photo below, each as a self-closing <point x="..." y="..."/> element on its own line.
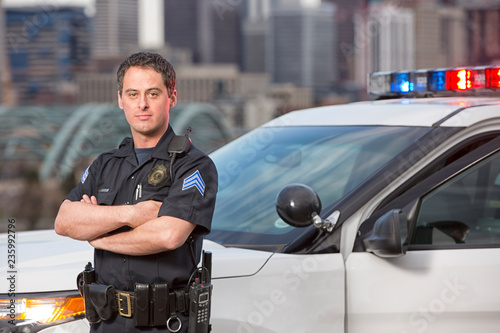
<point x="176" y="300"/>
<point x="148" y="305"/>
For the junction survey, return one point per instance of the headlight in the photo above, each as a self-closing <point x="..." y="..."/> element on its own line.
<point x="32" y="312"/>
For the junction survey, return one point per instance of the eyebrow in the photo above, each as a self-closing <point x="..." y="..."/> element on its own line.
<point x="149" y="89"/>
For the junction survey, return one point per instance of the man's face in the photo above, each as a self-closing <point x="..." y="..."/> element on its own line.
<point x="146" y="104"/>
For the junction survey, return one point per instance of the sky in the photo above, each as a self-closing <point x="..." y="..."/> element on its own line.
<point x="150" y="16"/>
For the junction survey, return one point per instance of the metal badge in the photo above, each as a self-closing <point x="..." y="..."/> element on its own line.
<point x="158" y="175"/>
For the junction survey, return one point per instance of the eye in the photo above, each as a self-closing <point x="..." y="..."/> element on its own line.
<point x="153" y="94"/>
<point x="132" y="94"/>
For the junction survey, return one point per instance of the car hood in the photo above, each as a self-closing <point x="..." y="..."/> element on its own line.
<point x="45" y="261"/>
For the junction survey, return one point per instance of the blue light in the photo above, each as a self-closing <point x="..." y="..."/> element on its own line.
<point x="438" y="81"/>
<point x="401" y="83"/>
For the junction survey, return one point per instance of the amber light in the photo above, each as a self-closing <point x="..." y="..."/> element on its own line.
<point x="43" y="310"/>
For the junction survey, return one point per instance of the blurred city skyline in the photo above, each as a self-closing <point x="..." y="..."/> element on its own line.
<point x="150" y="16"/>
<point x="325" y="46"/>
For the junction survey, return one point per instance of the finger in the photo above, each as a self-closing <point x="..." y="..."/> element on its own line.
<point x="85" y="198"/>
<point x="93" y="199"/>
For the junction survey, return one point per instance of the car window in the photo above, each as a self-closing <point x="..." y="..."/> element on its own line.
<point x="332" y="160"/>
<point x="463" y="210"/>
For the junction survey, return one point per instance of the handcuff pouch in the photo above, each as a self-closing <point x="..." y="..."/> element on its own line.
<point x="90" y="310"/>
<point x="103" y="299"/>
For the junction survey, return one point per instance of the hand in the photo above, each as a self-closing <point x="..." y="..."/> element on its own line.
<point x="96" y="242"/>
<point x="143" y="212"/>
<point x="91" y="200"/>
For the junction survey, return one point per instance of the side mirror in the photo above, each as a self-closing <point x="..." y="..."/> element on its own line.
<point x="385" y="239"/>
<point x="299" y="206"/>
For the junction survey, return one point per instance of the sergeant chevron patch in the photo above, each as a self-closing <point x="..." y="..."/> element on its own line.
<point x="85" y="175"/>
<point x="194" y="180"/>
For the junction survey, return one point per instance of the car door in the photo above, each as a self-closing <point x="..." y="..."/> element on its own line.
<point x="447" y="279"/>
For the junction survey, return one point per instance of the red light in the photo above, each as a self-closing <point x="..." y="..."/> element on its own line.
<point x="461" y="79"/>
<point x="493" y="78"/>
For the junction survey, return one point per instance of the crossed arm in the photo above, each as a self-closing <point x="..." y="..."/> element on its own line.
<point x="85" y="220"/>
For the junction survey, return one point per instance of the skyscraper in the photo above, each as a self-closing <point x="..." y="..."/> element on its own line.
<point x="300" y="45"/>
<point x="210" y="31"/>
<point x="483" y="31"/>
<point x="254" y="30"/>
<point x="46" y="47"/>
<point x="345" y="47"/>
<point x="116" y="28"/>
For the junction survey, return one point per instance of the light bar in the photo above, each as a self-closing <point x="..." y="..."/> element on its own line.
<point x="448" y="81"/>
<point x="379" y="83"/>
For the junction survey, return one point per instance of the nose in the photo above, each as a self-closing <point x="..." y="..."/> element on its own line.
<point x="143" y="103"/>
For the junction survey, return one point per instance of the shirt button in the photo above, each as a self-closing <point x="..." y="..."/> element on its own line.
<point x="124" y="260"/>
<point x="127" y="203"/>
<point x="132" y="177"/>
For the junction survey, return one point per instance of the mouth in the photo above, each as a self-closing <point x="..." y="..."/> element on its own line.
<point x="143" y="116"/>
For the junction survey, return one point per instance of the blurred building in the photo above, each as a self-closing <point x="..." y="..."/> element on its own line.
<point x="346" y="46"/>
<point x="441" y="35"/>
<point x="45" y="49"/>
<point x="254" y="30"/>
<point x="116" y="28"/>
<point x="96" y="88"/>
<point x="300" y="45"/>
<point x="408" y="35"/>
<point x="393" y="44"/>
<point x="211" y="30"/>
<point x="483" y="31"/>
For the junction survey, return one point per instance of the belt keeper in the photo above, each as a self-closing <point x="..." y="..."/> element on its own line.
<point x="103" y="299"/>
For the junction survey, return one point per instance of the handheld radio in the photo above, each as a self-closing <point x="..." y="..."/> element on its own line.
<point x="200" y="298"/>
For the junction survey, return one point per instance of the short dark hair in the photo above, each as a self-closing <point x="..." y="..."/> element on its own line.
<point x="148" y="60"/>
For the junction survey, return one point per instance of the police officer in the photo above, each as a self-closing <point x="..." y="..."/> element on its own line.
<point x="144" y="216"/>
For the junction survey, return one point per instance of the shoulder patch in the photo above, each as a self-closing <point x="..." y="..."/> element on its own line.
<point x="85" y="175"/>
<point x="194" y="180"/>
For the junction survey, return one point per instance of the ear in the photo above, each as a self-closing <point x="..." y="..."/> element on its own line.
<point x="120" y="102"/>
<point x="173" y="98"/>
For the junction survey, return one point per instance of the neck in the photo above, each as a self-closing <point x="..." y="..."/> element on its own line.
<point x="142" y="141"/>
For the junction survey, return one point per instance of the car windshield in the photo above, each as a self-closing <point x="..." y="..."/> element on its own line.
<point x="332" y="160"/>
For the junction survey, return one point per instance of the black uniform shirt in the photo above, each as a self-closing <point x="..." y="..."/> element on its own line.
<point x="115" y="178"/>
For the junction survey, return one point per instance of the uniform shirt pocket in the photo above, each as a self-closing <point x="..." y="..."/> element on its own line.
<point x="157" y="193"/>
<point x="106" y="196"/>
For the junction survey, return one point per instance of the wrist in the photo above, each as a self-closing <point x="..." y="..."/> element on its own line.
<point x="127" y="215"/>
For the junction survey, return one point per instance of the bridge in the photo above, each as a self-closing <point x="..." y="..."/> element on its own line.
<point x="57" y="139"/>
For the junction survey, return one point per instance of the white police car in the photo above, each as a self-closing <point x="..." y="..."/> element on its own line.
<point x="403" y="234"/>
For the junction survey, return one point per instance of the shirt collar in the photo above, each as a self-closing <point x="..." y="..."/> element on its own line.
<point x="126" y="148"/>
